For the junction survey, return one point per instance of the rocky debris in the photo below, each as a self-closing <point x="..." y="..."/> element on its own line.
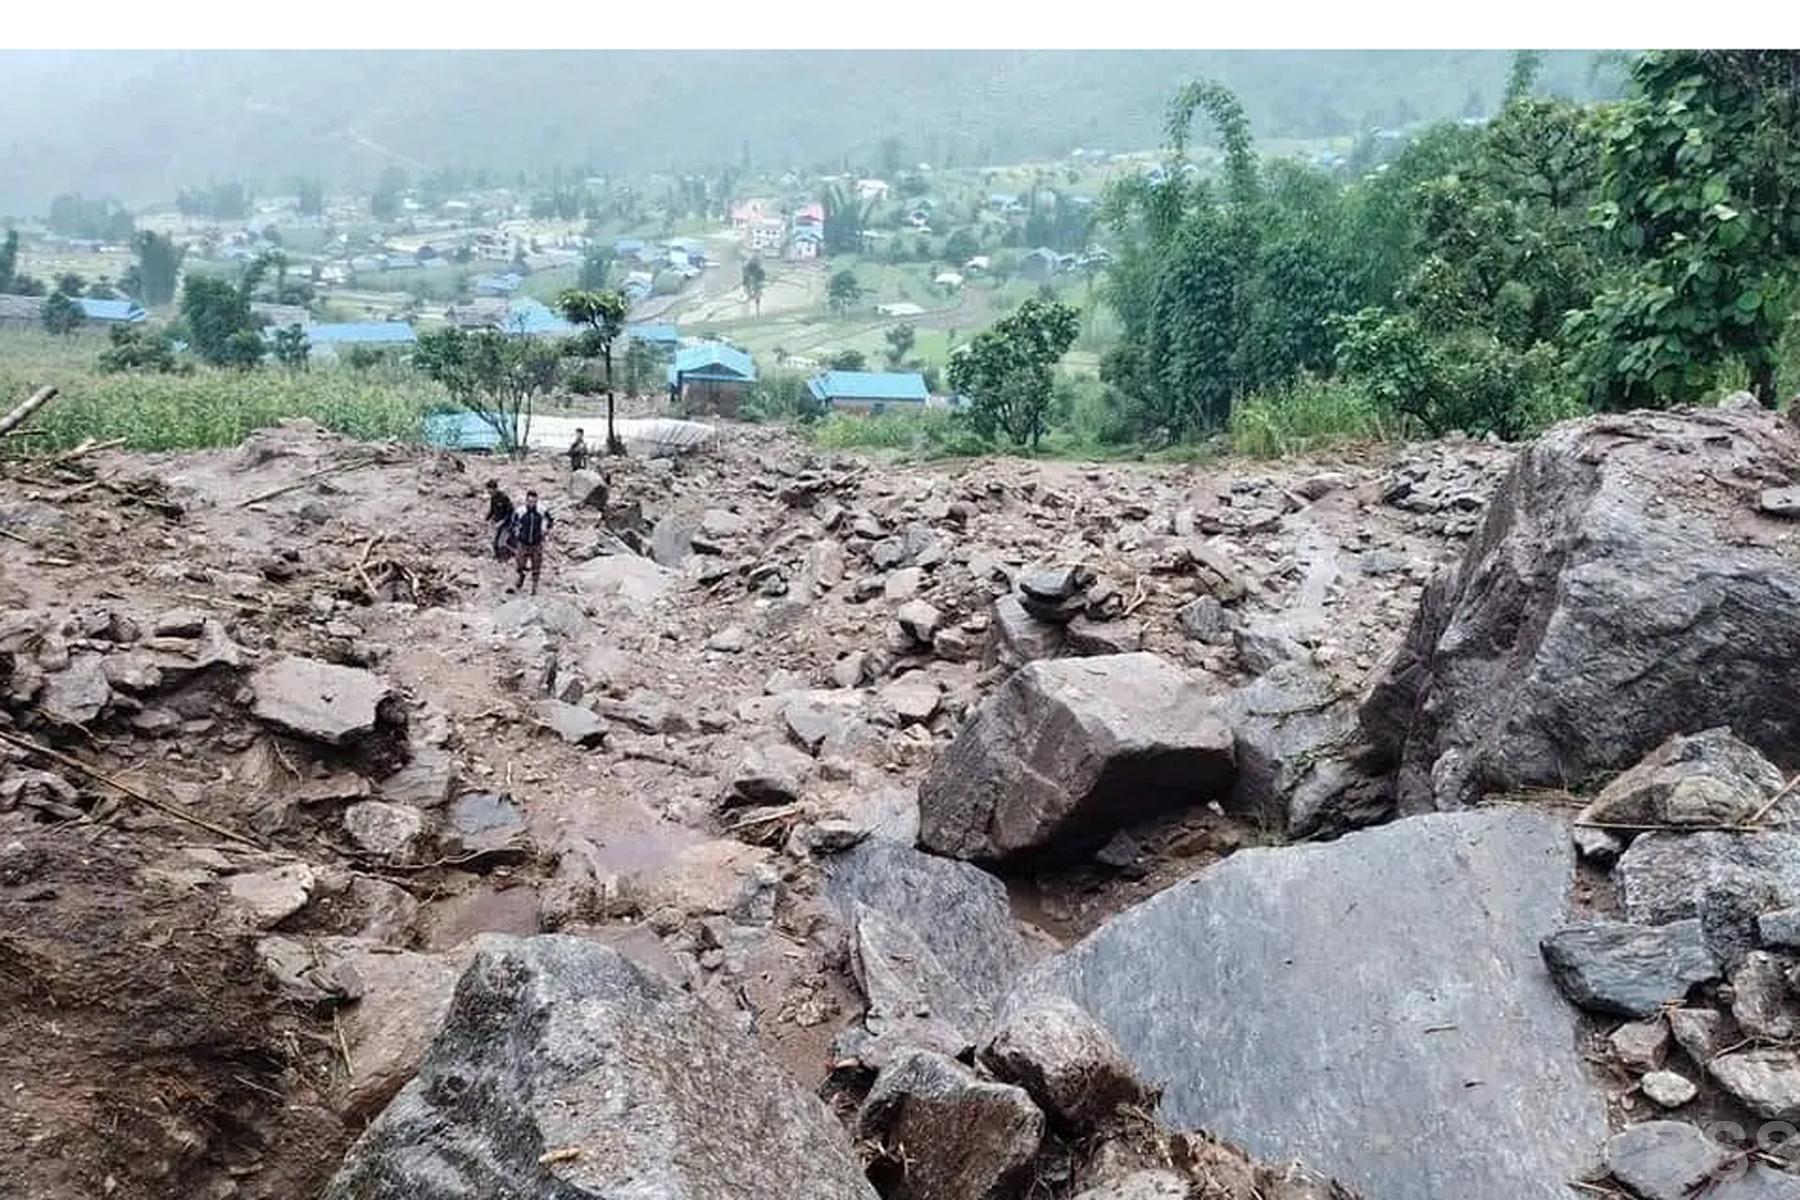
<point x="1447" y="484"/>
<point x="78" y="693"/>
<point x="630" y="581"/>
<point x="1668" y="1089"/>
<point x="1066" y="752"/>
<point x="317" y="700"/>
<point x="269" y="897"/>
<point x="389" y="831"/>
<point x="587" y="489"/>
<point x="1727" y="880"/>
<point x="944" y="1134"/>
<point x="1665" y="1160"/>
<point x="1761" y="1003"/>
<point x="1780" y="929"/>
<point x="1212" y="988"/>
<point x="914" y="697"/>
<point x="919" y="620"/>
<point x="1016" y="637"/>
<point x="551" y="1077"/>
<point x="1780" y="502"/>
<point x="1700" y="1032"/>
<point x="572" y="723"/>
<point x="1633" y="970"/>
<point x="1764" y="1080"/>
<point x="1205" y="620"/>
<point x="482" y="822"/>
<point x="1704" y="779"/>
<point x="1641" y="1045"/>
<point x="1066" y="1062"/>
<point x="1141" y="1185"/>
<point x="769" y="773"/>
<point x="1085" y="636"/>
<point x="1612" y="598"/>
<point x="814" y="718"/>
<point x="1054" y="594"/>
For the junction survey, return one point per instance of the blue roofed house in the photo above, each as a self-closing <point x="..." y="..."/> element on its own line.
<point x="711" y="377"/>
<point x="533" y="318"/>
<point x="327" y="339"/>
<point x="111" y="312"/>
<point x="499" y="285"/>
<point x="869" y="391"/>
<point x="1040" y="264"/>
<point x="660" y="336"/>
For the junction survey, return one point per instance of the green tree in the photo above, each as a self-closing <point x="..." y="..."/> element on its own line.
<point x="845" y="217"/>
<point x="61" y="315"/>
<point x="496" y="377"/>
<point x="9" y="260"/>
<point x="217" y="315"/>
<point x="70" y="284"/>
<point x="1526" y="65"/>
<point x="157" y="260"/>
<point x="291" y="347"/>
<point x="843" y="292"/>
<point x="641" y="368"/>
<point x="960" y="247"/>
<point x="847" y="360"/>
<point x="135" y="348"/>
<point x="1700" y="192"/>
<point x="602" y="317"/>
<point x="102" y="289"/>
<point x="1008" y="371"/>
<point x="384" y="201"/>
<point x="756" y="278"/>
<point x="596" y="268"/>
<point x="900" y="340"/>
<point x="311" y="196"/>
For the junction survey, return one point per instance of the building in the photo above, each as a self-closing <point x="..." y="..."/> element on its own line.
<point x="1040" y="264"/>
<point x="486" y="313"/>
<point x="111" y="312"/>
<point x="1005" y="202"/>
<point x="765" y="234"/>
<point x="810" y="214"/>
<point x="806" y="244"/>
<point x="871" y="189"/>
<point x="21" y="311"/>
<point x="660" y="336"/>
<point x="711" y="378"/>
<point x="976" y="265"/>
<point x="900" y="308"/>
<point x="504" y="284"/>
<point x="869" y="391"/>
<point x="329" y="339"/>
<point x="948" y="279"/>
<point x="526" y="317"/>
<point x="746" y="213"/>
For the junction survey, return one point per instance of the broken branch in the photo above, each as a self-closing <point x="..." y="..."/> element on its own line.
<point x="22" y="413"/>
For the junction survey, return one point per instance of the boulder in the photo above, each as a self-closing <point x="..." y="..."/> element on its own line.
<point x="552" y="1077"/>
<point x="1700" y="1032"/>
<point x="481" y="822"/>
<point x="771" y="773"/>
<point x="1668" y="1089"/>
<point x="1665" y="1160"/>
<point x="1016" y="637"/>
<point x="914" y="697"/>
<point x="944" y="1134"/>
<point x="1783" y="502"/>
<point x="572" y="723"/>
<point x="1613" y="596"/>
<point x="1412" y="1044"/>
<point x="1707" y="778"/>
<point x="1633" y="970"/>
<point x="672" y="539"/>
<point x="1764" y="1080"/>
<point x="385" y="830"/>
<point x="587" y="489"/>
<point x="1761" y="1003"/>
<point x="317" y="700"/>
<point x="1641" y="1045"/>
<point x="76" y="694"/>
<point x="1066" y="1062"/>
<point x="269" y="897"/>
<point x="1088" y="637"/>
<point x="1205" y="620"/>
<point x="1727" y="880"/>
<point x="1068" y="751"/>
<point x="919" y="620"/>
<point x="632" y="582"/>
<point x="1780" y="928"/>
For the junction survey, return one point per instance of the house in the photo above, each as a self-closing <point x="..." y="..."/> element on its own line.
<point x="461" y="431"/>
<point x="806" y="244"/>
<point x="1005" y="202"/>
<point x="976" y="265"/>
<point x="746" y="213"/>
<point x="486" y="313"/>
<point x="1040" y="264"/>
<point x="810" y="214"/>
<point x="628" y="247"/>
<point x="499" y="285"/>
<point x="869" y="391"/>
<point x="711" y="377"/>
<point x="329" y="339"/>
<point x="660" y="336"/>
<point x="533" y="318"/>
<point x="948" y="279"/>
<point x="765" y="234"/>
<point x="871" y="189"/>
<point x="900" y="308"/>
<point x="111" y="312"/>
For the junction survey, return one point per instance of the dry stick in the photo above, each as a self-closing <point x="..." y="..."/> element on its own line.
<point x="305" y="479"/>
<point x="1760" y="813"/>
<point x="343" y="1046"/>
<point x="21" y="414"/>
<point x="88" y="446"/>
<point x="75" y="764"/>
<point x="7" y="533"/>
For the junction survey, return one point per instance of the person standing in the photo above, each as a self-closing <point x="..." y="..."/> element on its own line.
<point x="578" y="452"/>
<point x="531" y="525"/>
<point x="499" y="515"/>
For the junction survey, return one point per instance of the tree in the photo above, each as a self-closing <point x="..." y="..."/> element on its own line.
<point x="158" y="262"/>
<point x="755" y="278"/>
<point x="384" y="201"/>
<point x="960" y="247"/>
<point x="70" y="284"/>
<point x="1700" y="191"/>
<point x="641" y="367"/>
<point x="602" y="314"/>
<point x="311" y="196"/>
<point x="596" y="267"/>
<point x="291" y="347"/>
<point x="9" y="260"/>
<point x="1008" y="371"/>
<point x="217" y="315"/>
<point x="843" y="292"/>
<point x="61" y="315"/>
<point x="1526" y="65"/>
<point x="102" y="289"/>
<point x="496" y="377"/>
<point x="845" y="216"/>
<point x="900" y="339"/>
<point x="135" y="348"/>
<point x="847" y="360"/>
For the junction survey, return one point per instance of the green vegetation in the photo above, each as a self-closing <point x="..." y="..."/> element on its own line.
<point x="498" y="378"/>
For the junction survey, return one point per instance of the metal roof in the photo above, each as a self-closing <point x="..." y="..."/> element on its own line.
<point x="712" y="360"/>
<point x="110" y="310"/>
<point x="868" y="385"/>
<point x="665" y="334"/>
<point x="534" y="318"/>
<point x="360" y="333"/>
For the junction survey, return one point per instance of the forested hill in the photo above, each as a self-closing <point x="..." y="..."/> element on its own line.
<point x="141" y="125"/>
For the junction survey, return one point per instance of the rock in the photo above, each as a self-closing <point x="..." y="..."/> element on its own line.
<point x="772" y="773"/>
<point x="1017" y="637"/>
<point x="1596" y="845"/>
<point x="483" y="821"/>
<point x="1780" y="929"/>
<point x="1727" y="880"/>
<point x="317" y="700"/>
<point x="1616" y="967"/>
<point x="903" y="584"/>
<point x="78" y="693"/>
<point x="1087" y="637"/>
<point x="1321" y="484"/>
<point x="1665" y="1160"/>
<point x="1066" y="752"/>
<point x="387" y="831"/>
<point x="914" y="697"/>
<point x="1204" y="620"/>
<point x="1607" y="602"/>
<point x="672" y="539"/>
<point x="425" y="780"/>
<point x="405" y="996"/>
<point x="1213" y="990"/>
<point x="572" y="723"/>
<point x="1760" y="1001"/>
<point x="825" y="563"/>
<point x="131" y="672"/>
<point x="1741" y="401"/>
<point x="1666" y="1089"/>
<point x="730" y="640"/>
<point x="554" y="1043"/>
<point x="552" y="614"/>
<point x="1381" y="562"/>
<point x="953" y="645"/>
<point x="813" y="717"/>
<point x="1707" y="778"/>
<point x="269" y="897"/>
<point x="1262" y="646"/>
<point x="1140" y="1185"/>
<point x="587" y="489"/>
<point x="945" y="1134"/>
<point x="720" y="524"/>
<point x="634" y="583"/>
<point x="919" y="620"/>
<point x="1641" y="1045"/>
<point x="1766" y="1081"/>
<point x="1700" y="1032"/>
<point x="1051" y="586"/>
<point x="1066" y="1062"/>
<point x="851" y="670"/>
<point x="180" y="623"/>
<point x="1780" y="502"/>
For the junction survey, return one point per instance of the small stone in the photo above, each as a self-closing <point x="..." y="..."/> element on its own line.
<point x="914" y="697"/>
<point x="729" y="640"/>
<point x="385" y="830"/>
<point x="903" y="584"/>
<point x="1780" y="928"/>
<point x="1761" y="1003"/>
<point x="1641" y="1045"/>
<point x="180" y="622"/>
<point x="953" y="645"/>
<point x="1665" y="1160"/>
<point x="1086" y="637"/>
<point x="1766" y="1081"/>
<point x="78" y="693"/>
<point x="1668" y="1089"/>
<point x="1780" y="502"/>
<point x="981" y="1136"/>
<point x="573" y="724"/>
<point x="850" y="670"/>
<point x="1700" y="1032"/>
<point x="270" y="897"/>
<point x="1596" y="845"/>
<point x="1068" y="1063"/>
<point x="1204" y="621"/>
<point x="919" y="619"/>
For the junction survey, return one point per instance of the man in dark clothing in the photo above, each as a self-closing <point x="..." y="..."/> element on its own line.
<point x="578" y="452"/>
<point x="499" y="515"/>
<point x="530" y="525"/>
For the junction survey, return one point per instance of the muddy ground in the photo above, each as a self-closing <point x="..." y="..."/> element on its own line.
<point x="153" y="1040"/>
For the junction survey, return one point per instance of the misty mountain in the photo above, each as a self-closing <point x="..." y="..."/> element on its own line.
<point x="140" y="125"/>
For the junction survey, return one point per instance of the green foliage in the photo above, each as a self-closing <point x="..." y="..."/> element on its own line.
<point x="900" y="340"/>
<point x="1007" y="371"/>
<point x="217" y="315"/>
<point x="781" y="396"/>
<point x="157" y="263"/>
<point x="291" y="347"/>
<point x="602" y="318"/>
<point x="847" y="360"/>
<point x="384" y="201"/>
<point x="61" y="315"/>
<point x="496" y="377"/>
<point x="72" y="215"/>
<point x="70" y="284"/>
<point x="961" y="246"/>
<point x="136" y="348"/>
<point x="228" y="201"/>
<point x="1526" y="66"/>
<point x="596" y="268"/>
<point x="9" y="260"/>
<point x="1309" y="414"/>
<point x="755" y="279"/>
<point x="843" y="292"/>
<point x="934" y="433"/>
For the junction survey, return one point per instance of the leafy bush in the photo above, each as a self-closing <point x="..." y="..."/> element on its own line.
<point x="1309" y="414"/>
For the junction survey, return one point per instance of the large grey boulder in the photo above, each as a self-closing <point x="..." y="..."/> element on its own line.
<point x="1622" y="588"/>
<point x="1068" y="751"/>
<point x="1727" y="880"/>
<point x="564" y="1071"/>
<point x="945" y="1134"/>
<point x="317" y="700"/>
<point x="1374" y="1006"/>
<point x="1631" y="970"/>
<point x="1066" y="1062"/>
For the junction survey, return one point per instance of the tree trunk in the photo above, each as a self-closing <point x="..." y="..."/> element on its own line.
<point x="1762" y="384"/>
<point x="613" y="445"/>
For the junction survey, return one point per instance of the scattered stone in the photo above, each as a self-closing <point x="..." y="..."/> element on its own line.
<point x="1204" y="620"/>
<point x="1066" y="752"/>
<point x="769" y="773"/>
<point x="914" y="697"/>
<point x="271" y="897"/>
<point x="945" y="1134"/>
<point x="813" y="717"/>
<point x="1667" y="1089"/>
<point x="1700" y="1032"/>
<point x="1018" y="637"/>
<point x="672" y="539"/>
<point x="1707" y="778"/>
<point x="587" y="489"/>
<point x="1597" y="846"/>
<point x="730" y="640"/>
<point x="317" y="700"/>
<point x="553" y="1042"/>
<point x="1665" y="1160"/>
<point x="180" y="623"/>
<point x="1321" y="484"/>
<point x="389" y="831"/>
<point x="1087" y="637"/>
<point x="572" y="723"/>
<point x="1617" y="967"/>
<point x="1760" y="1001"/>
<point x="851" y="670"/>
<point x="78" y="693"/>
<point x="1780" y="502"/>
<point x="919" y="619"/>
<point x="1780" y="929"/>
<point x="635" y="583"/>
<point x="1727" y="880"/>
<point x="953" y="645"/>
<point x="1261" y="647"/>
<point x="720" y="524"/>
<point x="1141" y="1185"/>
<point x="1766" y="1081"/>
<point x="482" y="822"/>
<point x="1641" y="1045"/>
<point x="425" y="780"/>
<point x="903" y="584"/>
<point x="1067" y="1063"/>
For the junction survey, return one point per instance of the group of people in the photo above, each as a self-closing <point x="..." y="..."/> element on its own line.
<point x="519" y="533"/>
